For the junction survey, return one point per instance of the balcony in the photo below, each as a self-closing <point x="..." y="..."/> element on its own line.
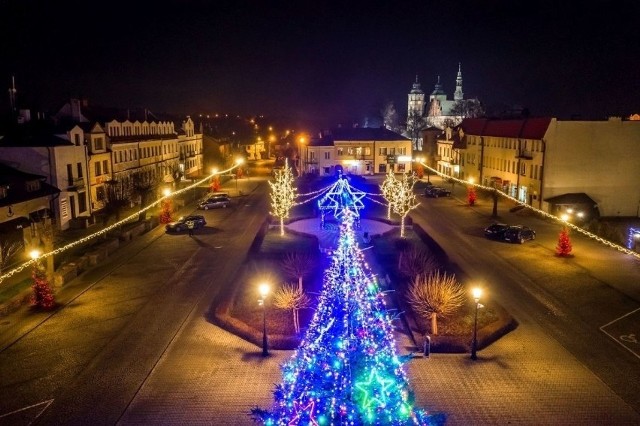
<point x="528" y="155"/>
<point x="76" y="183"/>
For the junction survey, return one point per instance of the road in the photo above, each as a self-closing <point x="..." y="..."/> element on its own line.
<point x="570" y="299"/>
<point x="86" y="362"/>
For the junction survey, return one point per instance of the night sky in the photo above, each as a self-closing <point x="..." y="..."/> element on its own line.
<point x="322" y="63"/>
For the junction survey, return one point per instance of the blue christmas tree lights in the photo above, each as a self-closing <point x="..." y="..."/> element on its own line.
<point x="346" y="370"/>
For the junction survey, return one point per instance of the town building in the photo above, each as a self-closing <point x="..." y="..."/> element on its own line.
<point x="555" y="165"/>
<point x="358" y="151"/>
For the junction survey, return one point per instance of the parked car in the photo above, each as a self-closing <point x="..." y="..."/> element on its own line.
<point x="519" y="234"/>
<point x="214" y="203"/>
<point x="496" y="231"/>
<point x="181" y="224"/>
<point x="436" y="191"/>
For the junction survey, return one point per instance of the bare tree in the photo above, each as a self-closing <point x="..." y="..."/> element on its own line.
<point x="468" y="108"/>
<point x="413" y="262"/>
<point x="415" y="123"/>
<point x="8" y="249"/>
<point x="435" y="295"/>
<point x="298" y="265"/>
<point x="143" y="186"/>
<point x="390" y="117"/>
<point x="289" y="296"/>
<point x="118" y="196"/>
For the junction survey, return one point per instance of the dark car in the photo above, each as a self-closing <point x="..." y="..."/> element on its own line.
<point x="519" y="234"/>
<point x="436" y="192"/>
<point x="182" y="223"/>
<point x="496" y="231"/>
<point x="214" y="203"/>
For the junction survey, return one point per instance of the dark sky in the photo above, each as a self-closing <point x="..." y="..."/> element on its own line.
<point x="326" y="62"/>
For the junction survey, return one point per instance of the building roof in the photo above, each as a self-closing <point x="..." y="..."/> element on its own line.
<point x="365" y="134"/>
<point x="17" y="192"/>
<point x="571" y="198"/>
<point x="524" y="128"/>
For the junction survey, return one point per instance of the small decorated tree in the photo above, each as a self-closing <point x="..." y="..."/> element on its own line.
<point x="564" y="243"/>
<point x="166" y="208"/>
<point x="471" y="195"/>
<point x="389" y="191"/>
<point x="42" y="296"/>
<point x="283" y="195"/>
<point x="215" y="184"/>
<point x="405" y="199"/>
<point x="419" y="171"/>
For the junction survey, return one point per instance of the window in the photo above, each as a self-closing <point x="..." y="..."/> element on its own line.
<point x="382" y="168"/>
<point x="99" y="144"/>
<point x="70" y="174"/>
<point x="82" y="202"/>
<point x="367" y="150"/>
<point x="340" y="152"/>
<point x="64" y="208"/>
<point x="105" y="166"/>
<point x="32" y="185"/>
<point x="120" y="155"/>
<point x="383" y="151"/>
<point x="392" y="151"/>
<point x="79" y="170"/>
<point x="401" y="167"/>
<point x="76" y="138"/>
<point x="327" y="155"/>
<point x="97" y="166"/>
<point x="523" y="169"/>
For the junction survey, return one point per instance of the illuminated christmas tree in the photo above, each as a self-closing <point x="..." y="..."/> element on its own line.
<point x="42" y="296"/>
<point x="166" y="209"/>
<point x="283" y="195"/>
<point x="215" y="184"/>
<point x="564" y="243"/>
<point x="471" y="195"/>
<point x="346" y="370"/>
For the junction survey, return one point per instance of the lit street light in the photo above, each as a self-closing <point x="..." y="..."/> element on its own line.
<point x="477" y="292"/>
<point x="264" y="290"/>
<point x="239" y="161"/>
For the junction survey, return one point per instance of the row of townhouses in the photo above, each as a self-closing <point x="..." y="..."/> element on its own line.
<point x="551" y="164"/>
<point x="78" y="157"/>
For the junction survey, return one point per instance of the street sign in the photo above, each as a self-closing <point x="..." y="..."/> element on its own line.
<point x="391" y="159"/>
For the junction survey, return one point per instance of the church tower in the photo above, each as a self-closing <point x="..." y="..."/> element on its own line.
<point x="458" y="95"/>
<point x="416" y="100"/>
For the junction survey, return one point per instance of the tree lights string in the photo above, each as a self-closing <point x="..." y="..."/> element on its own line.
<point x="541" y="212"/>
<point x="111" y="227"/>
<point x="346" y="370"/>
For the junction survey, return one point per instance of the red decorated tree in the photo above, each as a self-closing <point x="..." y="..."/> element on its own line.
<point x="42" y="296"/>
<point x="166" y="210"/>
<point x="564" y="243"/>
<point x="419" y="171"/>
<point x="239" y="173"/>
<point x="215" y="184"/>
<point x="471" y="195"/>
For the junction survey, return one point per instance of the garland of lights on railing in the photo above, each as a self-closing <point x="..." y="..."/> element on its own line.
<point x="540" y="212"/>
<point x="111" y="227"/>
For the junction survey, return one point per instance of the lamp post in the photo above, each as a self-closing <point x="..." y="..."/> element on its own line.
<point x="239" y="161"/>
<point x="264" y="290"/>
<point x="302" y="140"/>
<point x="477" y="292"/>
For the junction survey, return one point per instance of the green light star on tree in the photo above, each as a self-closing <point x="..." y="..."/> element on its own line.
<point x="283" y="195"/>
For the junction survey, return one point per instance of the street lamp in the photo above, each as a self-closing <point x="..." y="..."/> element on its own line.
<point x="264" y="290"/>
<point x="302" y="142"/>
<point x="239" y="161"/>
<point x="476" y="292"/>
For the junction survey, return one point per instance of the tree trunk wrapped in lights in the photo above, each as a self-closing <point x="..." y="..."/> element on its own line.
<point x="389" y="190"/>
<point x="346" y="370"/>
<point x="283" y="195"/>
<point x="405" y="199"/>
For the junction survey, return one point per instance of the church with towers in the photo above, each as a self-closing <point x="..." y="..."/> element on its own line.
<point x="437" y="111"/>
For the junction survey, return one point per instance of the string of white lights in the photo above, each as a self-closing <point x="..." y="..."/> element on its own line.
<point x="135" y="215"/>
<point x="542" y="213"/>
<point x="376" y="201"/>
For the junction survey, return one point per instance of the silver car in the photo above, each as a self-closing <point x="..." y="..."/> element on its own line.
<point x="214" y="203"/>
